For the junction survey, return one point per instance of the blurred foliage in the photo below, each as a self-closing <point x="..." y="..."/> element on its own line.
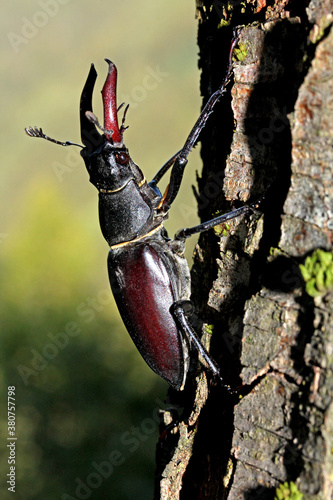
<point x="86" y="403"/>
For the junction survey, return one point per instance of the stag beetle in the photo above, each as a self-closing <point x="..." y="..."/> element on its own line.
<point x="145" y="266"/>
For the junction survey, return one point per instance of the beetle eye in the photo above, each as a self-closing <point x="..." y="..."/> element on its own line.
<point x="122" y="158"/>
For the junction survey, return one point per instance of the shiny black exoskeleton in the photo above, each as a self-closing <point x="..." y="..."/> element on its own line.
<point x="148" y="273"/>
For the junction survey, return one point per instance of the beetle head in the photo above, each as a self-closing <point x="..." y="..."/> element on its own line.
<point x="106" y="158"/>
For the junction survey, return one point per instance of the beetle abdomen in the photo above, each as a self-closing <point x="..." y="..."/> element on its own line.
<point x="141" y="285"/>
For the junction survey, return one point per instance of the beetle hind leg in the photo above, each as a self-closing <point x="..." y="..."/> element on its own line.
<point x="180" y="310"/>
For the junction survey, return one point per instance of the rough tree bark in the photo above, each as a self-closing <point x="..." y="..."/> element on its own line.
<point x="267" y="329"/>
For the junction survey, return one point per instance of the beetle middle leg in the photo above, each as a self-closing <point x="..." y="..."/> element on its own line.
<point x="182" y="234"/>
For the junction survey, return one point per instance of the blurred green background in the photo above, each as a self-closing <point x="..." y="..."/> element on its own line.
<point x="86" y="403"/>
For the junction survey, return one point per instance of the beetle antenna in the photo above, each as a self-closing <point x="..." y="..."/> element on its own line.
<point x="122" y="127"/>
<point x="38" y="132"/>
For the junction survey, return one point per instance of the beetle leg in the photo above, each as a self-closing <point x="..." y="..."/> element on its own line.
<point x="163" y="170"/>
<point x="180" y="310"/>
<point x="181" y="158"/>
<point x="182" y="234"/>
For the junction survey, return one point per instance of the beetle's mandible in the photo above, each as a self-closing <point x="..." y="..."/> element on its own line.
<point x="148" y="273"/>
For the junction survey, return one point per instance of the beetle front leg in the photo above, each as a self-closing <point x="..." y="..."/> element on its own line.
<point x="180" y="310"/>
<point x="181" y="157"/>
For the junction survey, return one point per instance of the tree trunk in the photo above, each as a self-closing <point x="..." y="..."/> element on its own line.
<point x="268" y="321"/>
